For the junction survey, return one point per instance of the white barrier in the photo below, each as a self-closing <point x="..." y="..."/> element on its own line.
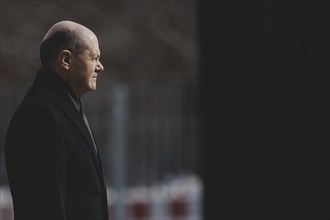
<point x="6" y="204"/>
<point x="178" y="199"/>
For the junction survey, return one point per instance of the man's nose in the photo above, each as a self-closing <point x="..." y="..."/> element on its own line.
<point x="99" y="67"/>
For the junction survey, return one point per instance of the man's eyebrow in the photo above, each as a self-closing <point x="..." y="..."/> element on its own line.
<point x="96" y="55"/>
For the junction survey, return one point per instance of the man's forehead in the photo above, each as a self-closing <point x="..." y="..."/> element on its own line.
<point x="91" y="42"/>
<point x="93" y="50"/>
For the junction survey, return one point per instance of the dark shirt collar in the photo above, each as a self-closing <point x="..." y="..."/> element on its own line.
<point x="50" y="80"/>
<point x="77" y="103"/>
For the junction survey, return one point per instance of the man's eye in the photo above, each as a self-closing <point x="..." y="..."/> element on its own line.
<point x="96" y="58"/>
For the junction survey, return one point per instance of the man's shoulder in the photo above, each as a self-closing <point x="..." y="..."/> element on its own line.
<point x="35" y="99"/>
<point x="35" y="104"/>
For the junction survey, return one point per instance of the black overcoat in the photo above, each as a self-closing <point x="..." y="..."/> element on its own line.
<point x="53" y="169"/>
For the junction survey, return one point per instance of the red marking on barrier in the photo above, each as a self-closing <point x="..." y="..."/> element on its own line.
<point x="178" y="207"/>
<point x="7" y="213"/>
<point x="140" y="210"/>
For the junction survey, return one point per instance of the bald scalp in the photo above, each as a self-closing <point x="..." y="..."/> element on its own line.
<point x="64" y="35"/>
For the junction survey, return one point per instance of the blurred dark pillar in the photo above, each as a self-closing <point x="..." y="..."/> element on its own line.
<point x="265" y="109"/>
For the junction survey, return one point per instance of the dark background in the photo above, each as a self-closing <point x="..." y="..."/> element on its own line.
<point x="265" y="109"/>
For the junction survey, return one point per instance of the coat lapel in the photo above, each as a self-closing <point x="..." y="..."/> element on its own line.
<point x="64" y="102"/>
<point x="56" y="88"/>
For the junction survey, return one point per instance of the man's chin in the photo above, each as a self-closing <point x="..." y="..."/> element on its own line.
<point x="92" y="88"/>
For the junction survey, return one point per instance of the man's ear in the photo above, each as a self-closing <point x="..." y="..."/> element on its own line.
<point x="65" y="59"/>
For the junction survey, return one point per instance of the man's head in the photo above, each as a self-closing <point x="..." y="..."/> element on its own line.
<point x="72" y="51"/>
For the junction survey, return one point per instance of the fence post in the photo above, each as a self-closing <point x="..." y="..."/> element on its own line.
<point x="118" y="143"/>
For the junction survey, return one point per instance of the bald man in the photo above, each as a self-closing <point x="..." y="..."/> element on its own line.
<point x="52" y="159"/>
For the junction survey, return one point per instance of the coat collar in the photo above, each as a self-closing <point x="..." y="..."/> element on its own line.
<point x="50" y="80"/>
<point x="57" y="88"/>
